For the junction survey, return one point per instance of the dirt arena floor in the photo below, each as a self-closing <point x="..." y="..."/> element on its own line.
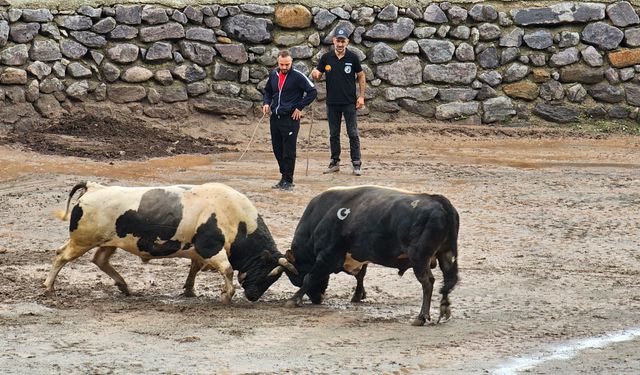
<point x="549" y="255"/>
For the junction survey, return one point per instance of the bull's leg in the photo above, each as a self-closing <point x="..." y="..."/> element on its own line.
<point x="196" y="266"/>
<point x="64" y="254"/>
<point x="360" y="293"/>
<point x="425" y="277"/>
<point x="220" y="262"/>
<point x="307" y="283"/>
<point x="212" y="250"/>
<point x="101" y="259"/>
<point x="449" y="268"/>
<point x="316" y="292"/>
<point x="319" y="275"/>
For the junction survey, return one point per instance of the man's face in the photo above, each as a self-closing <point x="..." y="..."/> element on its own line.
<point x="284" y="64"/>
<point x="339" y="44"/>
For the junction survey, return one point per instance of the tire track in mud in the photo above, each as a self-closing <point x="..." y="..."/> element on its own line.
<point x="27" y="185"/>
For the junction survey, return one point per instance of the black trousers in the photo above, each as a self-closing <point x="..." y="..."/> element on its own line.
<point x="334" y="116"/>
<point x="284" y="136"/>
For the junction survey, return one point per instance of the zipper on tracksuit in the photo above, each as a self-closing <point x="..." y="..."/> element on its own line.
<point x="280" y="90"/>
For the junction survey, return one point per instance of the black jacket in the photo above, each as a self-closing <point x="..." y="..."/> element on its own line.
<point x="297" y="92"/>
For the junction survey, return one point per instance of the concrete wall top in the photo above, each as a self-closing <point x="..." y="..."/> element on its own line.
<point x="74" y="4"/>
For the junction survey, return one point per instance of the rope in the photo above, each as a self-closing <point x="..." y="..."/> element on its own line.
<point x="252" y="136"/>
<point x="306" y="173"/>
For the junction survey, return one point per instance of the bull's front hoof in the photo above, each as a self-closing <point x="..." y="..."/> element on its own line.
<point x="189" y="293"/>
<point x="317" y="300"/>
<point x="419" y="321"/>
<point x="358" y="297"/>
<point x="291" y="303"/>
<point x="124" y="289"/>
<point x="49" y="292"/>
<point x="226" y="298"/>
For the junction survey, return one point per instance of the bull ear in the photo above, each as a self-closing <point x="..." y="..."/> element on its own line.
<point x="289" y="256"/>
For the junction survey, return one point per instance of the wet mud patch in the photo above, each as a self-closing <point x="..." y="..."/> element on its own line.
<point x="110" y="138"/>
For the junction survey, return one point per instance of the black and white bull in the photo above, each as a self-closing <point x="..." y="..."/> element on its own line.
<point x="344" y="228"/>
<point x="214" y="225"/>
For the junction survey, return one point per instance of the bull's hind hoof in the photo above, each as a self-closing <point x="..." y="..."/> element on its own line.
<point x="419" y="321"/>
<point x="291" y="303"/>
<point x="445" y="314"/>
<point x="49" y="293"/>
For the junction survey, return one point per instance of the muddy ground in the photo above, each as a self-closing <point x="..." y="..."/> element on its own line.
<point x="549" y="255"/>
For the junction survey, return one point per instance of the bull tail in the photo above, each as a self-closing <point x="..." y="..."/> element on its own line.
<point x="448" y="259"/>
<point x="79" y="186"/>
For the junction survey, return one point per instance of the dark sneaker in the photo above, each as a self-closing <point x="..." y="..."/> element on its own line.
<point x="334" y="166"/>
<point x="287" y="186"/>
<point x="356" y="170"/>
<point x="278" y="185"/>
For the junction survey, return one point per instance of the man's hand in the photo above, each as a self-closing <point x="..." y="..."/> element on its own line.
<point x="296" y="114"/>
<point x="316" y="74"/>
<point x="265" y="109"/>
<point x="360" y="102"/>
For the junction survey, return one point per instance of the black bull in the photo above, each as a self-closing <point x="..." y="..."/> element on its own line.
<point x="342" y="229"/>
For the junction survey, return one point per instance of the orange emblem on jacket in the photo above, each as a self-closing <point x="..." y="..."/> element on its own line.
<point x="327" y="68"/>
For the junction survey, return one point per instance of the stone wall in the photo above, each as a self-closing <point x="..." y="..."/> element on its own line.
<point x="477" y="62"/>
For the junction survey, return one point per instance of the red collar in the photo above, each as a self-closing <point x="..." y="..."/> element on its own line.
<point x="281" y="78"/>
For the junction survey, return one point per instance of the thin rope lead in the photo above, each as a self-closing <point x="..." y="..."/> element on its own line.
<point x="306" y="173"/>
<point x="252" y="136"/>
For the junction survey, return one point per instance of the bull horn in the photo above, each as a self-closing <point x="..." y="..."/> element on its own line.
<point x="241" y="277"/>
<point x="285" y="263"/>
<point x="276" y="271"/>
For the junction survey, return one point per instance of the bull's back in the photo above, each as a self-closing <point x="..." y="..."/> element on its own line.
<point x="122" y="216"/>
<point x="107" y="214"/>
<point x="374" y="223"/>
<point x="219" y="205"/>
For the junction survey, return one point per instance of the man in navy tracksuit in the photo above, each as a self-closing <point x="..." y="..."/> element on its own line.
<point x="287" y="92"/>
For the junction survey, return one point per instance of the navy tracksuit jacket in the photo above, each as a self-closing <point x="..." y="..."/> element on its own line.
<point x="297" y="93"/>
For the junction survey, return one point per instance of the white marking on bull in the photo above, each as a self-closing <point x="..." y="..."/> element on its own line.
<point x="343" y="213"/>
<point x="414" y="204"/>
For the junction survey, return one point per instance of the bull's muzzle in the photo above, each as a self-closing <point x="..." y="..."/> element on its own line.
<point x="283" y="264"/>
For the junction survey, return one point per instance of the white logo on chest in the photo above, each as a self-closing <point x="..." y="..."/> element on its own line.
<point x="347" y="69"/>
<point x="343" y="213"/>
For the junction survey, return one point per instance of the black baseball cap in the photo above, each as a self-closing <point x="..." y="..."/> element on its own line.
<point x="341" y="33"/>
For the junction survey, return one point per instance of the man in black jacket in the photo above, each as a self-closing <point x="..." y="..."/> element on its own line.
<point x="286" y="94"/>
<point x="342" y="67"/>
